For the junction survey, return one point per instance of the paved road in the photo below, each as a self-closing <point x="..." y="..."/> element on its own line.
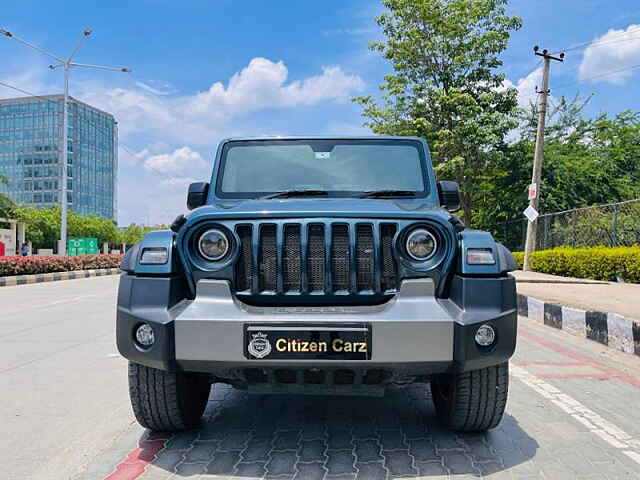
<point x="573" y="412"/>
<point x="63" y="391"/>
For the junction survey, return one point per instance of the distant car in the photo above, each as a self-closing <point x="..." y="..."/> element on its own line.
<point x="324" y="266"/>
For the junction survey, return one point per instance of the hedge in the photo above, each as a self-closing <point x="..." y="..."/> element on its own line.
<point x="46" y="264"/>
<point x="596" y="263"/>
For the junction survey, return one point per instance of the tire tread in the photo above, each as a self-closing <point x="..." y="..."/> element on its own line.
<point x="166" y="401"/>
<point x="478" y="401"/>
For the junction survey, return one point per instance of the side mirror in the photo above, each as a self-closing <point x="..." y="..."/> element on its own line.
<point x="197" y="195"/>
<point x="449" y="194"/>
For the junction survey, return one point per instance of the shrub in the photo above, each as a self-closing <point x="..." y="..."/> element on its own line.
<point x="47" y="264"/>
<point x="596" y="263"/>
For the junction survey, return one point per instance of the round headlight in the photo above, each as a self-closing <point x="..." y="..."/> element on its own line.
<point x="213" y="245"/>
<point x="421" y="244"/>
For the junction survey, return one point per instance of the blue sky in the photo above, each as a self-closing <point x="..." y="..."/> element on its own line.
<point x="204" y="70"/>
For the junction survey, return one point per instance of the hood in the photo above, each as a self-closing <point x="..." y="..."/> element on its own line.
<point x="322" y="207"/>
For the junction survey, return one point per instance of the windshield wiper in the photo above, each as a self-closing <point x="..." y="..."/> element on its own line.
<point x="296" y="193"/>
<point x="388" y="193"/>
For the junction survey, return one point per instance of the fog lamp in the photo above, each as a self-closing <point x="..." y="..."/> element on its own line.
<point x="485" y="336"/>
<point x="145" y="336"/>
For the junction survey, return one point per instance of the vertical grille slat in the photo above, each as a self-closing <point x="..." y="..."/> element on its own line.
<point x="244" y="270"/>
<point x="389" y="273"/>
<point x="353" y="265"/>
<point x="304" y="250"/>
<point x="316" y="258"/>
<point x="291" y="260"/>
<point x="364" y="257"/>
<point x="377" y="264"/>
<point x="279" y="254"/>
<point x="340" y="263"/>
<point x="267" y="259"/>
<point x="296" y="258"/>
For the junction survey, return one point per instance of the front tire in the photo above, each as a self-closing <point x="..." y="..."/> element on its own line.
<point x="472" y="401"/>
<point x="165" y="401"/>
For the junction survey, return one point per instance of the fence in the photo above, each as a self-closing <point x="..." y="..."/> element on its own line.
<point x="613" y="225"/>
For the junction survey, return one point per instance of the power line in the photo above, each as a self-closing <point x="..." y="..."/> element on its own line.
<point x="601" y="42"/>
<point x="600" y="75"/>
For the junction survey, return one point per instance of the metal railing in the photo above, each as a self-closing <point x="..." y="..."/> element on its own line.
<point x="612" y="225"/>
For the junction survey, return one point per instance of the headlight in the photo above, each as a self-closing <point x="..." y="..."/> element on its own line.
<point x="213" y="245"/>
<point x="421" y="244"/>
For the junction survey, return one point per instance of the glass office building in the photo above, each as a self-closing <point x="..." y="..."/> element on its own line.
<point x="30" y="155"/>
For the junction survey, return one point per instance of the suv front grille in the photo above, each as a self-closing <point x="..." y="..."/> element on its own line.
<point x="332" y="258"/>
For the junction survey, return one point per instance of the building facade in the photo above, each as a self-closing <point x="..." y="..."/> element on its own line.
<point x="30" y="154"/>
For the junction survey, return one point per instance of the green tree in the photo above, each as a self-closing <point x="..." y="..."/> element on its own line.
<point x="93" y="227"/>
<point x="586" y="162"/>
<point x="43" y="226"/>
<point x="132" y="234"/>
<point x="446" y="86"/>
<point x="5" y="202"/>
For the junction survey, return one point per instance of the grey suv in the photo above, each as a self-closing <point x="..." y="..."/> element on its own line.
<point x="319" y="266"/>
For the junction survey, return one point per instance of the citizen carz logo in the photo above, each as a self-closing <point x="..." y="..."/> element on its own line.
<point x="259" y="346"/>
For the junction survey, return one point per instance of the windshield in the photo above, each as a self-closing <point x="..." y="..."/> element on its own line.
<point x="338" y="167"/>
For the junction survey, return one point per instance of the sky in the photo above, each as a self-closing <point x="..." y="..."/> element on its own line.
<point x="204" y="70"/>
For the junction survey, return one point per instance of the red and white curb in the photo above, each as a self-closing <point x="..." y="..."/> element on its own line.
<point x="55" y="276"/>
<point x="135" y="463"/>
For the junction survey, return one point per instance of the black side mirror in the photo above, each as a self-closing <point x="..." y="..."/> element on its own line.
<point x="197" y="195"/>
<point x="449" y="194"/>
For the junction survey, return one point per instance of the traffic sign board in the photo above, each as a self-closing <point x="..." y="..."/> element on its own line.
<point x="531" y="213"/>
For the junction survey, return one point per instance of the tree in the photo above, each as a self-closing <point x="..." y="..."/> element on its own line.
<point x="132" y="234"/>
<point x="5" y="202"/>
<point x="445" y="86"/>
<point x="587" y="162"/>
<point x="43" y="226"/>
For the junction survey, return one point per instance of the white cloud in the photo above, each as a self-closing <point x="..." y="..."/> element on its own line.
<point x="192" y="118"/>
<point x="178" y="184"/>
<point x="157" y="88"/>
<point x="349" y="31"/>
<point x="526" y="87"/>
<point x="615" y="50"/>
<point x="179" y="161"/>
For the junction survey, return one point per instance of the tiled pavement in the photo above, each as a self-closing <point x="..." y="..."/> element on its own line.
<point x="247" y="437"/>
<point x="559" y="385"/>
<point x="282" y="437"/>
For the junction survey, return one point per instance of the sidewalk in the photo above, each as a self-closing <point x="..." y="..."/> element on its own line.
<point x="620" y="298"/>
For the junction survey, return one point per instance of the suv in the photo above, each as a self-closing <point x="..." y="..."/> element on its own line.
<point x="321" y="266"/>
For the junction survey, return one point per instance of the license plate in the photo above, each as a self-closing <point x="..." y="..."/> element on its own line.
<point x="307" y="342"/>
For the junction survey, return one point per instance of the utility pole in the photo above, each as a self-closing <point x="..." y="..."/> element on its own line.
<point x="534" y="189"/>
<point x="64" y="148"/>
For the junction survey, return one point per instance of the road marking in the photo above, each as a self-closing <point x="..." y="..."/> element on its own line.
<point x="607" y="431"/>
<point x="612" y="372"/>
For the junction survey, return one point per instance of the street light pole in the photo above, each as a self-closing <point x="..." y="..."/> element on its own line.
<point x="67" y="65"/>
<point x="62" y="245"/>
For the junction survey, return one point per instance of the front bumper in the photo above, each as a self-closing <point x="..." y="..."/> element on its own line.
<point x="415" y="333"/>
